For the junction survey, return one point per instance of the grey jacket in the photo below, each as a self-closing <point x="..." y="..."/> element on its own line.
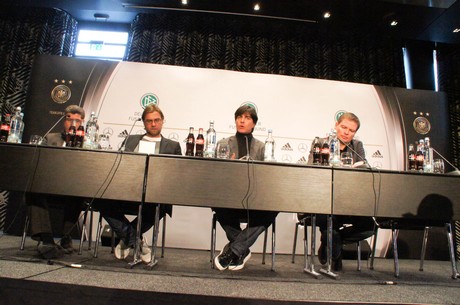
<point x="256" y="151"/>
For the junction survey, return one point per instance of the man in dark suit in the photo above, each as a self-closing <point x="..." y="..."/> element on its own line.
<point x="38" y="204"/>
<point x="114" y="214"/>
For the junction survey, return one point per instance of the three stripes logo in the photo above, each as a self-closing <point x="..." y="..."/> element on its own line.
<point x="302" y="160"/>
<point x="287" y="146"/>
<point x="377" y="154"/>
<point x="123" y="134"/>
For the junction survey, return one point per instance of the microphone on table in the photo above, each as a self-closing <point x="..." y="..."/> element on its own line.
<point x="55" y="124"/>
<point x="455" y="172"/>
<point x="122" y="147"/>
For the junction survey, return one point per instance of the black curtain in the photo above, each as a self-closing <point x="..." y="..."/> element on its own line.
<point x="266" y="46"/>
<point x="25" y="33"/>
<point x="448" y="57"/>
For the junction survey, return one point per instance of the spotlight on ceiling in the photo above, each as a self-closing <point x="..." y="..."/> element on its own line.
<point x="327" y="15"/>
<point x="457" y="30"/>
<point x="394" y="23"/>
<point x="184" y="2"/>
<point x="257" y="7"/>
<point x="101" y="17"/>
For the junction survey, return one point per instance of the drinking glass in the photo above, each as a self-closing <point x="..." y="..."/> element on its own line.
<point x="347" y="159"/>
<point x="223" y="151"/>
<point x="35" y="139"/>
<point x="438" y="166"/>
<point x="104" y="141"/>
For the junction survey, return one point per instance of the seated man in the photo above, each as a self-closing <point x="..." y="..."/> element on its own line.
<point x="235" y="254"/>
<point x="114" y="213"/>
<point x="344" y="227"/>
<point x="38" y="204"/>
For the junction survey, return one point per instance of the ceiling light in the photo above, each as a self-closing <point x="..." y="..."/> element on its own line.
<point x="327" y="15"/>
<point x="394" y="23"/>
<point x="256" y="7"/>
<point x="184" y="2"/>
<point x="457" y="30"/>
<point x="101" y="17"/>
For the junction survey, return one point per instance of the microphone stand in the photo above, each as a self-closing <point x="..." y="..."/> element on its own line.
<point x="455" y="172"/>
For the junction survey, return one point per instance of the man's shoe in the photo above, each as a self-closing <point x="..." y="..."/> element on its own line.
<point x="322" y="254"/>
<point x="121" y="251"/>
<point x="238" y="263"/>
<point x="66" y="244"/>
<point x="145" y="252"/>
<point x="49" y="251"/>
<point x="223" y="260"/>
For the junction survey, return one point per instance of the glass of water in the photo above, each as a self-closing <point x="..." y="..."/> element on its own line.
<point x="438" y="166"/>
<point x="346" y="158"/>
<point x="223" y="151"/>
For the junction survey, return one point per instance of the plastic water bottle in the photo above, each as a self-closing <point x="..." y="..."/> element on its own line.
<point x="334" y="149"/>
<point x="16" y="125"/>
<point x="91" y="133"/>
<point x="269" y="147"/>
<point x="428" y="157"/>
<point x="211" y="141"/>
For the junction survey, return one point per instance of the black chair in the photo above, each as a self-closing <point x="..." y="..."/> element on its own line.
<point x="213" y="242"/>
<point x="395" y="225"/>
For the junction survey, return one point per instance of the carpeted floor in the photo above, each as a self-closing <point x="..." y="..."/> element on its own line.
<point x="186" y="277"/>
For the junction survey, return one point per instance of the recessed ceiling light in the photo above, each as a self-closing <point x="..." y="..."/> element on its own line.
<point x="394" y="23"/>
<point x="256" y="7"/>
<point x="457" y="30"/>
<point x="184" y="2"/>
<point x="327" y="15"/>
<point x="101" y="17"/>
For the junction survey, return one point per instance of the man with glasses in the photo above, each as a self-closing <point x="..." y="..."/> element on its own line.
<point x="126" y="230"/>
<point x="40" y="228"/>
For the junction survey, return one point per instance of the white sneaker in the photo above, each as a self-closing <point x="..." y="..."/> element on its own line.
<point x="121" y="251"/>
<point x="146" y="252"/>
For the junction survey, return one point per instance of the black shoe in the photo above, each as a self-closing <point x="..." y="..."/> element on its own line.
<point x="223" y="260"/>
<point x="238" y="262"/>
<point x="66" y="244"/>
<point x="49" y="251"/>
<point x="322" y="254"/>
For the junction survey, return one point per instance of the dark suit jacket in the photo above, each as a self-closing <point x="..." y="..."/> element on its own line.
<point x="54" y="139"/>
<point x="357" y="146"/>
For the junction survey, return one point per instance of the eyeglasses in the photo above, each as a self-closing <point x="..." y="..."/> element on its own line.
<point x="156" y="121"/>
<point x="71" y="120"/>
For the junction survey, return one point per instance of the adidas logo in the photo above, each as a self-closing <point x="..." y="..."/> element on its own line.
<point x="377" y="154"/>
<point x="287" y="146"/>
<point x="302" y="160"/>
<point x="123" y="134"/>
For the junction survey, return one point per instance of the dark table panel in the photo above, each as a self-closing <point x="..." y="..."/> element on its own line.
<point x="233" y="183"/>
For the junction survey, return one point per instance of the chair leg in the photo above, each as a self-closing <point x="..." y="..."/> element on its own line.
<point x="273" y="245"/>
<point x="423" y="251"/>
<point x="163" y="237"/>
<point x="265" y="246"/>
<point x="450" y="241"/>
<point x="90" y="231"/>
<point x="24" y="233"/>
<point x="374" y="247"/>
<point x="98" y="236"/>
<point x="83" y="232"/>
<point x="309" y="266"/>
<point x="213" y="239"/>
<point x="395" y="251"/>
<point x="295" y="242"/>
<point x="358" y="244"/>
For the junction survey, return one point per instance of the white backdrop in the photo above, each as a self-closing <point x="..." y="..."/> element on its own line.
<point x="296" y="109"/>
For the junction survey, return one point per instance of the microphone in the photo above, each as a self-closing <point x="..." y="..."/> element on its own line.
<point x="122" y="147"/>
<point x="49" y="130"/>
<point x="247" y="157"/>
<point x="455" y="172"/>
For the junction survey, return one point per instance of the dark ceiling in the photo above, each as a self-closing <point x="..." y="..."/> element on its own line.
<point x="428" y="20"/>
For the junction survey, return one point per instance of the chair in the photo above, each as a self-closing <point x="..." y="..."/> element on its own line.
<point x="414" y="224"/>
<point x="307" y="220"/>
<point x="213" y="242"/>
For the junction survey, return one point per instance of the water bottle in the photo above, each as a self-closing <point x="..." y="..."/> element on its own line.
<point x="334" y="149"/>
<point x="16" y="125"/>
<point x="269" y="147"/>
<point x="91" y="133"/>
<point x="211" y="141"/>
<point x="428" y="157"/>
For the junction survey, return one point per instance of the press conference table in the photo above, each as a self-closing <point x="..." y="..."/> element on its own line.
<point x="192" y="181"/>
